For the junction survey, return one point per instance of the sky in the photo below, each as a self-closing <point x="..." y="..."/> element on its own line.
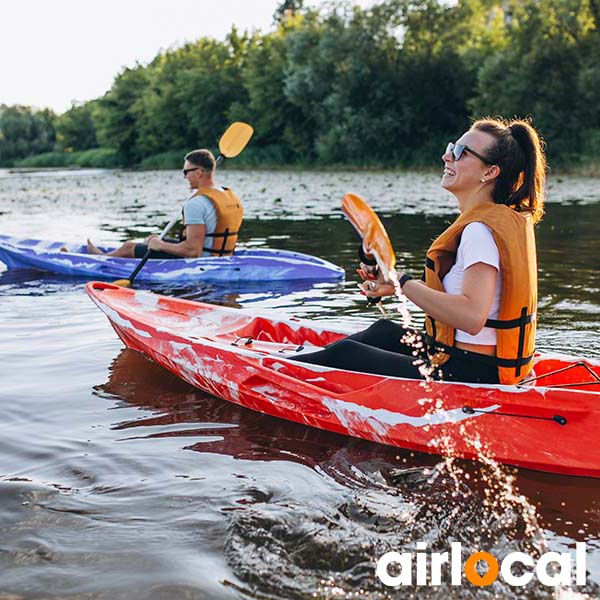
<point x="54" y="52"/>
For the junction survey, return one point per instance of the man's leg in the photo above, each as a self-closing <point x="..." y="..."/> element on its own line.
<point x="125" y="251"/>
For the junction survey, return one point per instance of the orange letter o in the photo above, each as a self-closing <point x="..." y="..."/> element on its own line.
<point x="474" y="577"/>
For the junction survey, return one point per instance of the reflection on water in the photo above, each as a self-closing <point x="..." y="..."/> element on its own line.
<point x="118" y="480"/>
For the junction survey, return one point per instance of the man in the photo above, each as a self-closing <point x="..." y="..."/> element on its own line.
<point x="211" y="218"/>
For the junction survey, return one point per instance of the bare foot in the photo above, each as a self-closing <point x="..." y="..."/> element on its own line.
<point x="63" y="249"/>
<point x="92" y="249"/>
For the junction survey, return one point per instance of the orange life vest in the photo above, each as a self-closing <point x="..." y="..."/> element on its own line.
<point x="516" y="323"/>
<point x="230" y="215"/>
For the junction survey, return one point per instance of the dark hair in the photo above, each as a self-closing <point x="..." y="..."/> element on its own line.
<point x="519" y="153"/>
<point x="201" y="158"/>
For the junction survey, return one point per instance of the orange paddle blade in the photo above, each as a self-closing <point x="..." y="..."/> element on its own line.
<point x="374" y="236"/>
<point x="234" y="140"/>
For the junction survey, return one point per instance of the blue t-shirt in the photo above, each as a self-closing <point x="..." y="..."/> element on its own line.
<point x="199" y="210"/>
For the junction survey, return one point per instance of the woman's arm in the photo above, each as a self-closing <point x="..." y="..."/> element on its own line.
<point x="467" y="311"/>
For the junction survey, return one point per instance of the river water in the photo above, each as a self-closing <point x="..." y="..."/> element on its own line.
<point x="118" y="480"/>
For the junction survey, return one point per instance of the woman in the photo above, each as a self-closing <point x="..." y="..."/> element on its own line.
<point x="480" y="288"/>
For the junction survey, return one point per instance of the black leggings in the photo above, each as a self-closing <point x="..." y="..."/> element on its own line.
<point x="386" y="348"/>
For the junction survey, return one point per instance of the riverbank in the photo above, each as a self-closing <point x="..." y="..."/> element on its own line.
<point x="107" y="158"/>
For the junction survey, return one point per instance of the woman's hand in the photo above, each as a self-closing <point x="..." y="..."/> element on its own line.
<point x="367" y="273"/>
<point x="374" y="286"/>
<point x="377" y="289"/>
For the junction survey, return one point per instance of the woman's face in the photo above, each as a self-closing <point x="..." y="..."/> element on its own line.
<point x="464" y="175"/>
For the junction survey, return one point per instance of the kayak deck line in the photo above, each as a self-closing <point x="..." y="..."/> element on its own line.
<point x="531" y="425"/>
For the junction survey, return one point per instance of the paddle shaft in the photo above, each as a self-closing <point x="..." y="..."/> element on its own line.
<point x="146" y="256"/>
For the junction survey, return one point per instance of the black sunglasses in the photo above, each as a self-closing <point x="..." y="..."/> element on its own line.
<point x="186" y="171"/>
<point x="457" y="151"/>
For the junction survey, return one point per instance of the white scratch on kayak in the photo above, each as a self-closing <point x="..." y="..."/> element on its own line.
<point x="381" y="419"/>
<point x="146" y="300"/>
<point x="277" y="366"/>
<point x="178" y="273"/>
<point x="206" y="367"/>
<point x="117" y="319"/>
<point x="270" y="392"/>
<point x="234" y="390"/>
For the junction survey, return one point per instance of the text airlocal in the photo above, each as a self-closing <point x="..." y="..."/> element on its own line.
<point x="563" y="567"/>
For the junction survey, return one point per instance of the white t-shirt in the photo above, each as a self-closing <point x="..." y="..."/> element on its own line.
<point x="476" y="245"/>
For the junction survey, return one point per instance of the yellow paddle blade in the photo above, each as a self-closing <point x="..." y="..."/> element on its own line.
<point x="234" y="140"/>
<point x="374" y="236"/>
<point x="122" y="282"/>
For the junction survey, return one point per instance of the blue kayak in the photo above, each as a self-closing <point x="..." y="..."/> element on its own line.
<point x="245" y="265"/>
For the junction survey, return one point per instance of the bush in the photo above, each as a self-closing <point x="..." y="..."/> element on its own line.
<point x="173" y="159"/>
<point x="46" y="160"/>
<point x="99" y="158"/>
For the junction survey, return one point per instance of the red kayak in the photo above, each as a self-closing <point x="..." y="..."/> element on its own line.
<point x="550" y="423"/>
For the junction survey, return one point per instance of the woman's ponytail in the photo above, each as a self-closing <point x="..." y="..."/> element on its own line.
<point x="519" y="154"/>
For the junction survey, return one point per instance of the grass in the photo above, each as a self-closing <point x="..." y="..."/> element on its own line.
<point x="273" y="158"/>
<point x="100" y="158"/>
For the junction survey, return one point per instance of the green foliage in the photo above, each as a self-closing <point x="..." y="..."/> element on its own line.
<point x="286" y="10"/>
<point x="24" y="132"/>
<point x="388" y="85"/>
<point x="549" y="71"/>
<point x="365" y="96"/>
<point x="98" y="158"/>
<point x="76" y="129"/>
<point x="46" y="160"/>
<point x="119" y="114"/>
<point x="172" y="159"/>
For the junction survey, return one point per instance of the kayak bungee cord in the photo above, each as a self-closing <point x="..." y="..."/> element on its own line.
<point x="596" y="381"/>
<point x="468" y="410"/>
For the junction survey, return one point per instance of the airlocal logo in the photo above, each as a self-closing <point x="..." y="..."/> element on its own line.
<point x="561" y="574"/>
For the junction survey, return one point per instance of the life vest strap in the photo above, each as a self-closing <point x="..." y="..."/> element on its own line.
<point x="510" y="323"/>
<point x="221" y="251"/>
<point x="494" y="361"/>
<point x="225" y="234"/>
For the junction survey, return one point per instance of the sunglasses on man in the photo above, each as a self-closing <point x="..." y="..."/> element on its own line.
<point x="186" y="171"/>
<point x="457" y="150"/>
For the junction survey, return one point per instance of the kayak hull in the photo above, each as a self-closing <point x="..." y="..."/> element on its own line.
<point x="244" y="265"/>
<point x="244" y="357"/>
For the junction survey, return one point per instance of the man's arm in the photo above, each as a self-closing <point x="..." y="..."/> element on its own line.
<point x="191" y="247"/>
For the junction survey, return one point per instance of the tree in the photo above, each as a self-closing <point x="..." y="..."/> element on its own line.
<point x="287" y="10"/>
<point x="118" y="114"/>
<point x="25" y="132"/>
<point x="76" y="129"/>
